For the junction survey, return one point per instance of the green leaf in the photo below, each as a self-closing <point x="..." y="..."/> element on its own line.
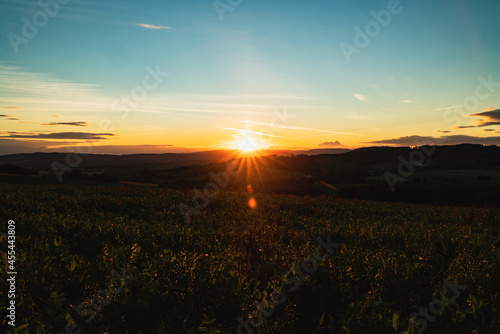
<point x="208" y="322"/>
<point x="321" y="320"/>
<point x="20" y="328"/>
<point x="395" y="319"/>
<point x="57" y="241"/>
<point x="72" y="265"/>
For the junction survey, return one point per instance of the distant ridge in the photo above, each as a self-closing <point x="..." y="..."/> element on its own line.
<point x="42" y="160"/>
<point x="364" y="156"/>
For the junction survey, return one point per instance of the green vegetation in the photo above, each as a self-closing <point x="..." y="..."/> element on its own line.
<point x="199" y="278"/>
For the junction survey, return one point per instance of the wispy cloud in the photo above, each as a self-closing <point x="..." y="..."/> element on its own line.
<point x="19" y="87"/>
<point x="244" y="131"/>
<point x="153" y="27"/>
<point x="360" y="97"/>
<point x="15" y="80"/>
<point x="282" y="126"/>
<point x="448" y="108"/>
<point x="10" y="107"/>
<point x="9" y="117"/>
<point x="358" y="117"/>
<point x="312" y="136"/>
<point x="448" y="140"/>
<point x="68" y="123"/>
<point x="464" y="127"/>
<point x="407" y="101"/>
<point x="443" y="131"/>
<point x="57" y="135"/>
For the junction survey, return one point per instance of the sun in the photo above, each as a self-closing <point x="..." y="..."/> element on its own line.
<point x="249" y="144"/>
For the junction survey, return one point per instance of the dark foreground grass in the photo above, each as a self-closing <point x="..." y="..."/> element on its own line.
<point x="200" y="277"/>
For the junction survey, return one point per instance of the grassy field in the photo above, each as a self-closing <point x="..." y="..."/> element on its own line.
<point x="122" y="259"/>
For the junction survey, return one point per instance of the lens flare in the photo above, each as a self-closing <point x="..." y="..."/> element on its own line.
<point x="252" y="203"/>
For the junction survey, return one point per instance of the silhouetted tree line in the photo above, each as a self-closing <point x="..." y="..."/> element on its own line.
<point x="344" y="177"/>
<point x="11" y="169"/>
<point x="77" y="174"/>
<point x="460" y="196"/>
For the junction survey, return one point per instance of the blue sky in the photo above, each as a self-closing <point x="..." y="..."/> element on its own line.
<point x="235" y="73"/>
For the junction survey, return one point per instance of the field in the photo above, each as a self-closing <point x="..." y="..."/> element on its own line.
<point x="122" y="259"/>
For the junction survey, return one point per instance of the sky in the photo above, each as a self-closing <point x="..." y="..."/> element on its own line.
<point x="180" y="76"/>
